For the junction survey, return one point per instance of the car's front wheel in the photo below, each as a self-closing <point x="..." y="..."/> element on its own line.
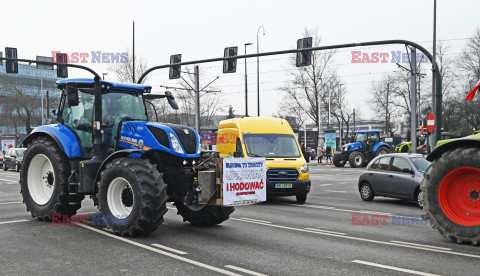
<point x="366" y="191"/>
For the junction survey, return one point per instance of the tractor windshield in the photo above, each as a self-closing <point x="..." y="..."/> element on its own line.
<point x="360" y="137"/>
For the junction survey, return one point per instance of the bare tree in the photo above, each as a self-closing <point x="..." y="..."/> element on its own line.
<point x="307" y="91"/>
<point x="469" y="60"/>
<point x="23" y="98"/>
<point x="123" y="72"/>
<point x="383" y="93"/>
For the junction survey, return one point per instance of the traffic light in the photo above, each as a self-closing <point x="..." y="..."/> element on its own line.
<point x="304" y="58"/>
<point x="174" y="72"/>
<point x="12" y="66"/>
<point x="230" y="65"/>
<point x="62" y="70"/>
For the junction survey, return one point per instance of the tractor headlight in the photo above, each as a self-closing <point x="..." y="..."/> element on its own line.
<point x="175" y="144"/>
<point x="304" y="168"/>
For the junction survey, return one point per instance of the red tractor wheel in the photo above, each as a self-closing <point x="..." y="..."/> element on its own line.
<point x="451" y="190"/>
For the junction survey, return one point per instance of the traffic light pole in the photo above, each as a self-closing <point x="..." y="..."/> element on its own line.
<point x="438" y="78"/>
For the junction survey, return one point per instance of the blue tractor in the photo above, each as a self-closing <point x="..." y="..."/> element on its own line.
<point x="104" y="146"/>
<point x="365" y="147"/>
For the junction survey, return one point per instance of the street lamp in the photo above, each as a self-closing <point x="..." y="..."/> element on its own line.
<point x="258" y="71"/>
<point x="103" y="75"/>
<point x="246" y="83"/>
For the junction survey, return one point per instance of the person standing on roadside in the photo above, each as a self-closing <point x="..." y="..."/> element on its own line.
<point x="304" y="152"/>
<point x="328" y="152"/>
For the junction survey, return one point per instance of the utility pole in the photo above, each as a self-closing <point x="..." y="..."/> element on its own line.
<point x="133" y="58"/>
<point x="48" y="106"/>
<point x="197" y="99"/>
<point x="41" y="93"/>
<point x="413" y="95"/>
<point x="246" y="82"/>
<point x="434" y="61"/>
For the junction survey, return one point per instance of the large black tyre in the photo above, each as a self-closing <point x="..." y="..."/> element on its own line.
<point x="47" y="192"/>
<point x="404" y="149"/>
<point x="356" y="159"/>
<point x="204" y="215"/>
<point x="382" y="150"/>
<point x="450" y="188"/>
<point x="132" y="191"/>
<point x="338" y="161"/>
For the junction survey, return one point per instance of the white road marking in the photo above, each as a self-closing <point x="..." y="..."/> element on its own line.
<point x="331" y="191"/>
<point x="326" y="231"/>
<point x="165" y="253"/>
<point x="341" y="210"/>
<point x="394" y="268"/>
<point x="169" y="249"/>
<point x="244" y="270"/>
<point x="2" y="179"/>
<point x="13" y="221"/>
<point x="326" y="185"/>
<point x="7" y="203"/>
<point x="362" y="239"/>
<point x="256" y="220"/>
<point x="422" y="245"/>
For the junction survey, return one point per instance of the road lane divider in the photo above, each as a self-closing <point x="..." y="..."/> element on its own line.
<point x="257" y="220"/>
<point x="423" y="245"/>
<point x="394" y="268"/>
<point x="162" y="252"/>
<point x="361" y="239"/>
<point x="323" y="185"/>
<point x="14" y="221"/>
<point x="169" y="249"/>
<point x="326" y="231"/>
<point x="332" y="191"/>
<point x="7" y="203"/>
<point x="10" y="181"/>
<point x="245" y="270"/>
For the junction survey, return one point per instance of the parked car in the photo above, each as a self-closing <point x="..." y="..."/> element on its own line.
<point x="13" y="159"/>
<point x="397" y="175"/>
<point x="1" y="158"/>
<point x="312" y="152"/>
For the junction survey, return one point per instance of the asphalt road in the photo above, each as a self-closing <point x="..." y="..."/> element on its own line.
<point x="280" y="237"/>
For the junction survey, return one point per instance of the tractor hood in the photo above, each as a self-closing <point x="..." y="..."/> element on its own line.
<point x="178" y="140"/>
<point x="352" y="146"/>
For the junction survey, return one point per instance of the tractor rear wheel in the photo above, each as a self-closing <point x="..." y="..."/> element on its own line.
<point x="203" y="215"/>
<point x="451" y="190"/>
<point x="382" y="150"/>
<point x="132" y="196"/>
<point x="44" y="181"/>
<point x="356" y="160"/>
<point x="338" y="161"/>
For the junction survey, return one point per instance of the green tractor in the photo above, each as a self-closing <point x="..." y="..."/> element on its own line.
<point x="451" y="188"/>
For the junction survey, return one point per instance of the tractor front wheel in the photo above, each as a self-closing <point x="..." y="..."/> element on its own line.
<point x="451" y="189"/>
<point x="132" y="196"/>
<point x="382" y="150"/>
<point x="338" y="161"/>
<point x="44" y="181"/>
<point x="356" y="160"/>
<point x="203" y="215"/>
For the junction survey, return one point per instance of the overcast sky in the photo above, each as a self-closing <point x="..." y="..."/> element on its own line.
<point x="202" y="29"/>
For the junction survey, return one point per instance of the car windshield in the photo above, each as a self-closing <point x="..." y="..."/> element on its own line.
<point x="20" y="153"/>
<point x="271" y="145"/>
<point x="421" y="163"/>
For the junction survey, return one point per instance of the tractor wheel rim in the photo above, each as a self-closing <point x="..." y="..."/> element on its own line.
<point x="365" y="191"/>
<point x="120" y="198"/>
<point x="358" y="160"/>
<point x="458" y="196"/>
<point x="41" y="179"/>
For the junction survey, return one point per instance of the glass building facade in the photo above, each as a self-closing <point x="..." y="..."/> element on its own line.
<point x="21" y="97"/>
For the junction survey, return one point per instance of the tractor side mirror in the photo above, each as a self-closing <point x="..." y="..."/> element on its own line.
<point x="238" y="154"/>
<point x="72" y="94"/>
<point x="171" y="100"/>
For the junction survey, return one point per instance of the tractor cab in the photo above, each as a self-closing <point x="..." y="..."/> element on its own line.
<point x="119" y="102"/>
